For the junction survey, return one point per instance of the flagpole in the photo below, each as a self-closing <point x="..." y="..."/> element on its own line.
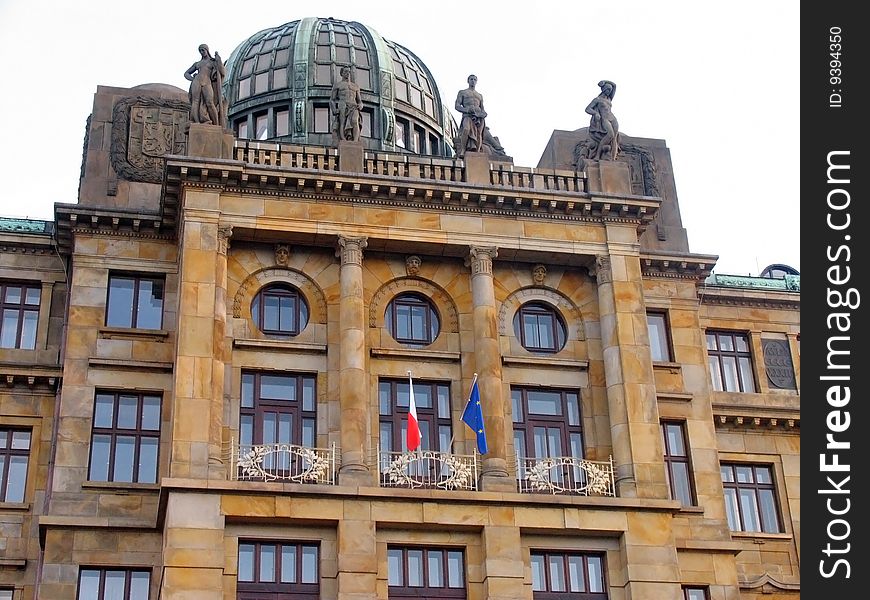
<point x="473" y="381"/>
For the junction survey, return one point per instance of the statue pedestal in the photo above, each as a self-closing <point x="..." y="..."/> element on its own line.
<point x="351" y="156"/>
<point x="608" y="176"/>
<point x="477" y="168"/>
<point x="209" y="141"/>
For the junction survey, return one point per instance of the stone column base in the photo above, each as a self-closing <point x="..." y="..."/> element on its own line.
<point x="490" y="482"/>
<point x="209" y="141"/>
<point x="477" y="168"/>
<point x="351" y="156"/>
<point x="608" y="176"/>
<point x="360" y="478"/>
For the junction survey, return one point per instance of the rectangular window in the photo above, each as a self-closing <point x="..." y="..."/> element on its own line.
<point x="730" y="361"/>
<point x="750" y="498"/>
<point x="113" y="584"/>
<point x="401" y="134"/>
<point x="695" y="592"/>
<point x="659" y="340"/>
<point x="14" y="456"/>
<point x="242" y="128"/>
<point x="19" y="304"/>
<point x="414" y="573"/>
<point x="561" y="575"/>
<point x="282" y="123"/>
<point x="678" y="467"/>
<point x="261" y="125"/>
<point x="125" y="437"/>
<point x="6" y="594"/>
<point x="433" y="415"/>
<point x="273" y="569"/>
<point x="546" y="423"/>
<point x="321" y="119"/>
<point x="135" y="302"/>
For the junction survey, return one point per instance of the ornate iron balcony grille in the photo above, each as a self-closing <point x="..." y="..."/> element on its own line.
<point x="565" y="475"/>
<point x="427" y="469"/>
<point x="283" y="462"/>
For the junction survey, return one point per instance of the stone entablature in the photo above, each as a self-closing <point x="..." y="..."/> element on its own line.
<point x="791" y="283"/>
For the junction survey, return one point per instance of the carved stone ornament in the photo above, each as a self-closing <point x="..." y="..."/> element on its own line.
<point x="412" y="265"/>
<point x="350" y="249"/>
<point x="480" y="259"/>
<point x="224" y="233"/>
<point x="778" y="364"/>
<point x="601" y="271"/>
<point x="539" y="274"/>
<point x="282" y="255"/>
<point x="144" y="130"/>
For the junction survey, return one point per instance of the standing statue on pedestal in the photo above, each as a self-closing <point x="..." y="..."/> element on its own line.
<point x="346" y="108"/>
<point x="469" y="102"/>
<point x="206" y="77"/>
<point x="603" y="127"/>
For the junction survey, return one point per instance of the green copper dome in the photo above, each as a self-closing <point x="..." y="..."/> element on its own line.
<point x="279" y="82"/>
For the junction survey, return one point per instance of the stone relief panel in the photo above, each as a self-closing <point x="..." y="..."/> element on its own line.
<point x="443" y="302"/>
<point x="570" y="311"/>
<point x="279" y="274"/>
<point x="144" y="130"/>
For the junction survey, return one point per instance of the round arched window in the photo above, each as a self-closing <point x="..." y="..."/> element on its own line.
<point x="539" y="327"/>
<point x="280" y="309"/>
<point x="411" y="319"/>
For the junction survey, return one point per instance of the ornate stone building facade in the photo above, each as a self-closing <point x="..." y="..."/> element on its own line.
<point x="207" y="386"/>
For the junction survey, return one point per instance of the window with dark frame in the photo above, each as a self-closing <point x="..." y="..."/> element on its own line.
<point x="750" y="498"/>
<point x="19" y="305"/>
<point x="14" y="458"/>
<point x="414" y="573"/>
<point x="285" y="570"/>
<point x="561" y="575"/>
<point x="696" y="592"/>
<point x="125" y="438"/>
<point x="539" y="327"/>
<point x="412" y="319"/>
<point x="280" y="310"/>
<point x="659" y="338"/>
<point x="547" y="424"/>
<point x="113" y="584"/>
<point x="678" y="466"/>
<point x="432" y="400"/>
<point x="135" y="301"/>
<point x="6" y="593"/>
<point x="278" y="408"/>
<point x="730" y="360"/>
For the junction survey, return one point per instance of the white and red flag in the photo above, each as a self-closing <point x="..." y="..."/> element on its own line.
<point x="413" y="435"/>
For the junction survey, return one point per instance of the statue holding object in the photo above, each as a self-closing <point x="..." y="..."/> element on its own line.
<point x="206" y="77"/>
<point x="603" y="126"/>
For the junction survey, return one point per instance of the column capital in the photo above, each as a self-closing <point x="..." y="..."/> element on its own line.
<point x="601" y="270"/>
<point x="480" y="259"/>
<point x="224" y="233"/>
<point x="350" y="249"/>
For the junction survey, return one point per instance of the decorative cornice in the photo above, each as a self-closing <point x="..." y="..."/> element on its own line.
<point x="791" y="283"/>
<point x="350" y="249"/>
<point x="750" y="421"/>
<point x="480" y="259"/>
<point x="677" y="266"/>
<point x="755" y="298"/>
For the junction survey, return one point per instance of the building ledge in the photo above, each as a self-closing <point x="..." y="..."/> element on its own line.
<point x="415" y="354"/>
<point x="16" y="563"/>
<point x="760" y="537"/>
<point x="279" y="346"/>
<point x="128" y="333"/>
<point x="14" y="506"/>
<point x="135" y="365"/>
<point x="545" y="362"/>
<point x="671" y="367"/>
<point x="674" y="397"/>
<point x="120" y="488"/>
<point x="724" y="546"/>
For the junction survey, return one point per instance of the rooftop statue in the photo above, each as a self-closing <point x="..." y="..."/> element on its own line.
<point x="469" y="102"/>
<point x="346" y="108"/>
<point x="206" y="77"/>
<point x="603" y="127"/>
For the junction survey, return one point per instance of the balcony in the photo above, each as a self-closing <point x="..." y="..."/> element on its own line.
<point x="284" y="463"/>
<point x="565" y="475"/>
<point x="427" y="469"/>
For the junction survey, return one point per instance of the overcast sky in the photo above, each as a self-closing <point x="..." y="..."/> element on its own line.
<point x="718" y="81"/>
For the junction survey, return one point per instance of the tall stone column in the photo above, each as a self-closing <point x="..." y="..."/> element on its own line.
<point x="353" y="378"/>
<point x="487" y="358"/>
<point x="200" y="345"/>
<point x="631" y="393"/>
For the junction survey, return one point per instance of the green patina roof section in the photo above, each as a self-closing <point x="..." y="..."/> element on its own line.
<point x="791" y="283"/>
<point x="16" y="225"/>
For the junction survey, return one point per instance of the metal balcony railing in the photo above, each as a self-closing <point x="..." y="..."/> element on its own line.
<point x="427" y="469"/>
<point x="565" y="475"/>
<point x="283" y="462"/>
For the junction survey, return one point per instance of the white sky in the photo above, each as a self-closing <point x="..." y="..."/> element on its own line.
<point x="718" y="81"/>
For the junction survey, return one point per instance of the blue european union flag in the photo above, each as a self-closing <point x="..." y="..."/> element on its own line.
<point x="473" y="417"/>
